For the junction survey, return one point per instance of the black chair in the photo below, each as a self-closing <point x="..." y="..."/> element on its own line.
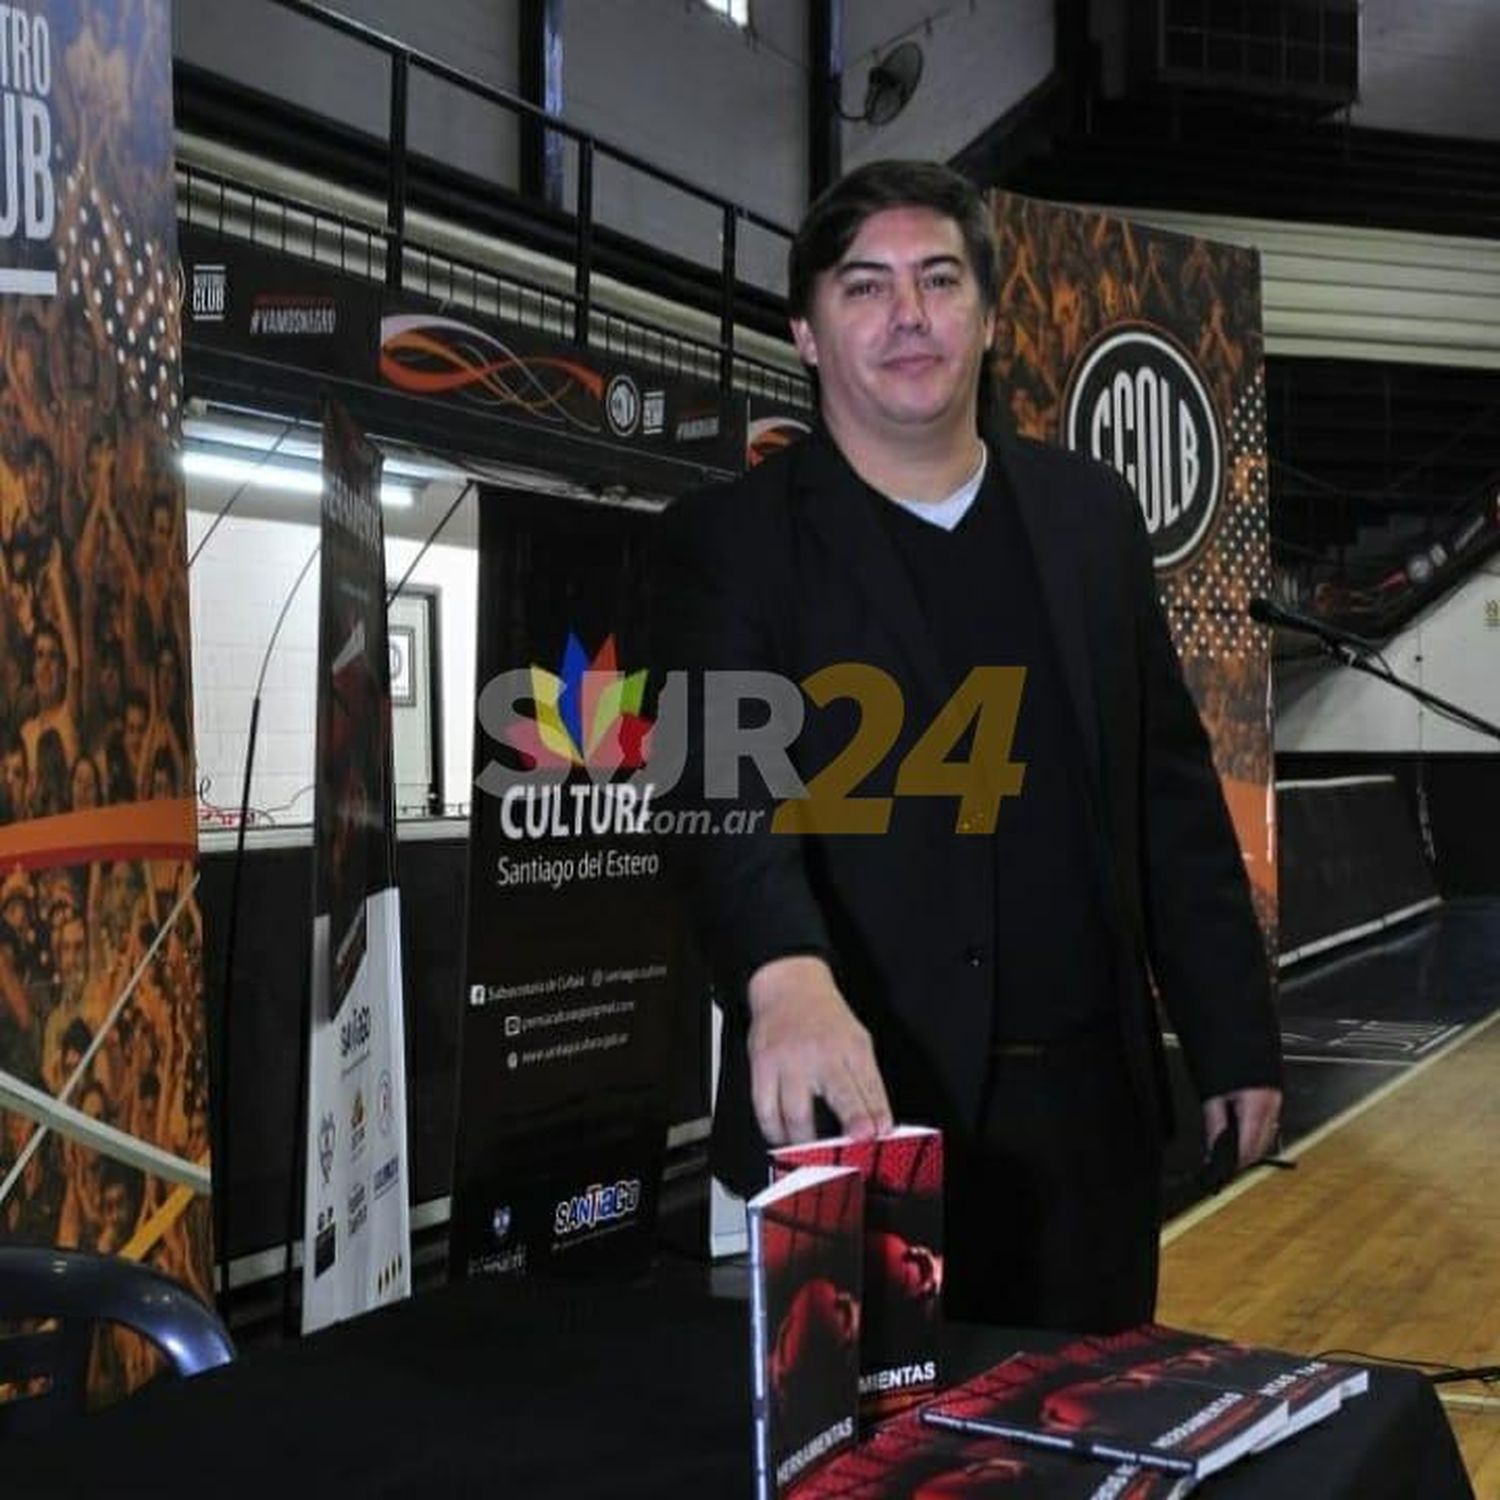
<point x="76" y="1291"/>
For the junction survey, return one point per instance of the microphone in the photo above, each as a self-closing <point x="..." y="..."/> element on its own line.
<point x="1266" y="611"/>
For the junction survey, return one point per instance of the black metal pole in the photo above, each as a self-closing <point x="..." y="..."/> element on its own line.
<point x="226" y="1014"/>
<point x="395" y="242"/>
<point x="541" y="74"/>
<point x="297" y="1166"/>
<point x="584" y="244"/>
<point x="825" y="50"/>
<point x="726" y="302"/>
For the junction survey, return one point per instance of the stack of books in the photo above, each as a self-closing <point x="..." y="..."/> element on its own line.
<point x="846" y="1256"/>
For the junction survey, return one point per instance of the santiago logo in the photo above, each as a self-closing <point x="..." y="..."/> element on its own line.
<point x="588" y="715"/>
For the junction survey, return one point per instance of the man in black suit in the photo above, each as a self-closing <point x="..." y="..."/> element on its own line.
<point x="1013" y="830"/>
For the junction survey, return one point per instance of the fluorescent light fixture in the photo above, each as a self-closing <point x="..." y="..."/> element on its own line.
<point x="278" y="476"/>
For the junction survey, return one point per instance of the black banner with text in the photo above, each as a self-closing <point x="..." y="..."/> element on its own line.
<point x="572" y="949"/>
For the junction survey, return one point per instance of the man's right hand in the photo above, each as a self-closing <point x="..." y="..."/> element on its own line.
<point x="805" y="1044"/>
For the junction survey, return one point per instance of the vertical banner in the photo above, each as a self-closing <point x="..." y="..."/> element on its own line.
<point x="573" y="945"/>
<point x="104" y="1128"/>
<point x="357" y="1229"/>
<point x="1143" y="349"/>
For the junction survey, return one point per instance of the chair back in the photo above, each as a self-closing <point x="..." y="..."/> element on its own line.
<point x="74" y="1291"/>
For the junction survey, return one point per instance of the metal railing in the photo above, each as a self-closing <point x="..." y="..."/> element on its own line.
<point x="387" y="251"/>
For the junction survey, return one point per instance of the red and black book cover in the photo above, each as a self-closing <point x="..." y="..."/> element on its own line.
<point x="1131" y="1416"/>
<point x="1312" y="1388"/>
<point x="806" y="1267"/>
<point x="908" y="1461"/>
<point x="903" y="1246"/>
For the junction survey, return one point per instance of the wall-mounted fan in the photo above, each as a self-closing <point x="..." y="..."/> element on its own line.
<point x="891" y="83"/>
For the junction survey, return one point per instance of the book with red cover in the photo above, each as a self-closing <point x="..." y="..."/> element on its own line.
<point x="806" y="1265"/>
<point x="908" y="1459"/>
<point x="1123" y="1415"/>
<point x="1312" y="1388"/>
<point x="903" y="1281"/>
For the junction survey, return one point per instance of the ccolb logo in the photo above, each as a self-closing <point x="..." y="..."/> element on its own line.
<point x="622" y="405"/>
<point x="1137" y="402"/>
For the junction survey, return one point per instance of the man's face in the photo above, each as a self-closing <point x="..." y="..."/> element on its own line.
<point x="47" y="668"/>
<point x="72" y="950"/>
<point x="160" y="535"/>
<point x="14" y="771"/>
<point x="39" y="489"/>
<point x="100" y="468"/>
<point x="897" y="330"/>
<point x="111" y="685"/>
<point x="166" y="678"/>
<point x="117" y="1217"/>
<point x="135" y="731"/>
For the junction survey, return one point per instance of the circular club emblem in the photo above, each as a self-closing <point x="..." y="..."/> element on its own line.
<point x="1138" y="403"/>
<point x="622" y="405"/>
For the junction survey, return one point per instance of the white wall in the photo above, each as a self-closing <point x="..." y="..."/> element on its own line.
<point x="691" y="92"/>
<point x="1451" y="651"/>
<point x="238" y="586"/>
<point x="264" y="47"/>
<point x="1430" y="67"/>
<point x="978" y="61"/>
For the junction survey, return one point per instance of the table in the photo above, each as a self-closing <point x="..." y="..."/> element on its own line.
<point x="636" y="1389"/>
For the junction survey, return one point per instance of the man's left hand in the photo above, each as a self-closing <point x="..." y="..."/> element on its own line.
<point x="1257" y="1115"/>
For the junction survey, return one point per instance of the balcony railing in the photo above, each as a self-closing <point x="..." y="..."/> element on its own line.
<point x="573" y="306"/>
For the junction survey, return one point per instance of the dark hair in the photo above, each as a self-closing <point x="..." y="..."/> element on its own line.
<point x="77" y="1038"/>
<point x="835" y="217"/>
<point x="164" y="760"/>
<point x="52" y="793"/>
<point x="119" y="779"/>
<point x="36" y="450"/>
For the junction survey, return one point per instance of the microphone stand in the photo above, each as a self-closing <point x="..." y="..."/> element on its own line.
<point x="1347" y="654"/>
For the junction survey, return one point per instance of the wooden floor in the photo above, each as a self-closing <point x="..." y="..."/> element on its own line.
<point x="1385" y="1239"/>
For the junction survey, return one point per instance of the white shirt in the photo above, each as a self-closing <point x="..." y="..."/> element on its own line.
<point x="950" y="510"/>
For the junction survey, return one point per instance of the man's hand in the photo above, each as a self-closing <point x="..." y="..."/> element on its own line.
<point x="1257" y="1116"/>
<point x="805" y="1044"/>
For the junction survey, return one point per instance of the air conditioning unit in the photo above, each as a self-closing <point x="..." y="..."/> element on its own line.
<point x="1284" y="51"/>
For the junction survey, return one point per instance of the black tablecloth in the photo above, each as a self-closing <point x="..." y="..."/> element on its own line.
<point x="605" y="1390"/>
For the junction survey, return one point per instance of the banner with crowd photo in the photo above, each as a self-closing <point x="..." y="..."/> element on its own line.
<point x="1143" y="349"/>
<point x="574" y="952"/>
<point x="357" y="1229"/>
<point x="104" y="1122"/>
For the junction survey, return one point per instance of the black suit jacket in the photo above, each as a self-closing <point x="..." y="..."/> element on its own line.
<point x="790" y="570"/>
